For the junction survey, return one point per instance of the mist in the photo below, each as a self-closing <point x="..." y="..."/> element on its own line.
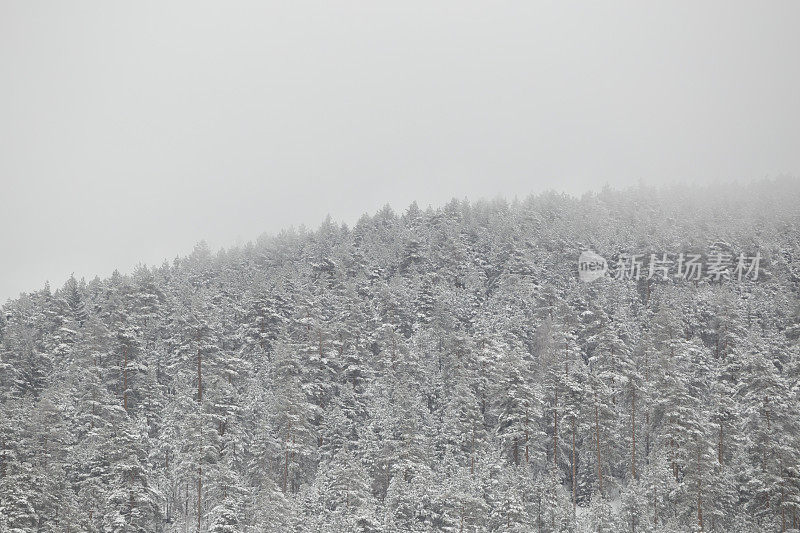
<point x="128" y="132"/>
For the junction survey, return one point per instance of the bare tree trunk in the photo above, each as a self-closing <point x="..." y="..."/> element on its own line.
<point x="597" y="439"/>
<point x="515" y="446"/>
<point x="199" y="377"/>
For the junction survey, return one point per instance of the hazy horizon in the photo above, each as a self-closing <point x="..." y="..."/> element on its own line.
<point x="186" y="248"/>
<point x="131" y="132"/>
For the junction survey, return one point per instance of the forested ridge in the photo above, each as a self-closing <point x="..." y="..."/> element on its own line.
<point x="424" y="370"/>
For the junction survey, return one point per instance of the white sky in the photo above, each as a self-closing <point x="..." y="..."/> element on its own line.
<point x="131" y="130"/>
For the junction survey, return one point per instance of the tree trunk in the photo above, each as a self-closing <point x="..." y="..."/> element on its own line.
<point x="199" y="377"/>
<point x="574" y="469"/>
<point x="515" y="447"/>
<point x="597" y="439"/>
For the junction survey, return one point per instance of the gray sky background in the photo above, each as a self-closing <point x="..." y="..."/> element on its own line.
<point x="131" y="130"/>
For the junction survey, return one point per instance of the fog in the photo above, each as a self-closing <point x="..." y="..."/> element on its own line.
<point x="130" y="131"/>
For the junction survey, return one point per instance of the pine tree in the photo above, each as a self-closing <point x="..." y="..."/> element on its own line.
<point x="519" y="408"/>
<point x="133" y="505"/>
<point x="294" y="415"/>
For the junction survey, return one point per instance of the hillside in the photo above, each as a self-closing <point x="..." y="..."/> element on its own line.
<point x="430" y="370"/>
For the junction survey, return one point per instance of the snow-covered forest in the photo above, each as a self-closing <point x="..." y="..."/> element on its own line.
<point x="423" y="370"/>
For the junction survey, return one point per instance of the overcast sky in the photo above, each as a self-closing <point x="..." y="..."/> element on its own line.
<point x="131" y="130"/>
